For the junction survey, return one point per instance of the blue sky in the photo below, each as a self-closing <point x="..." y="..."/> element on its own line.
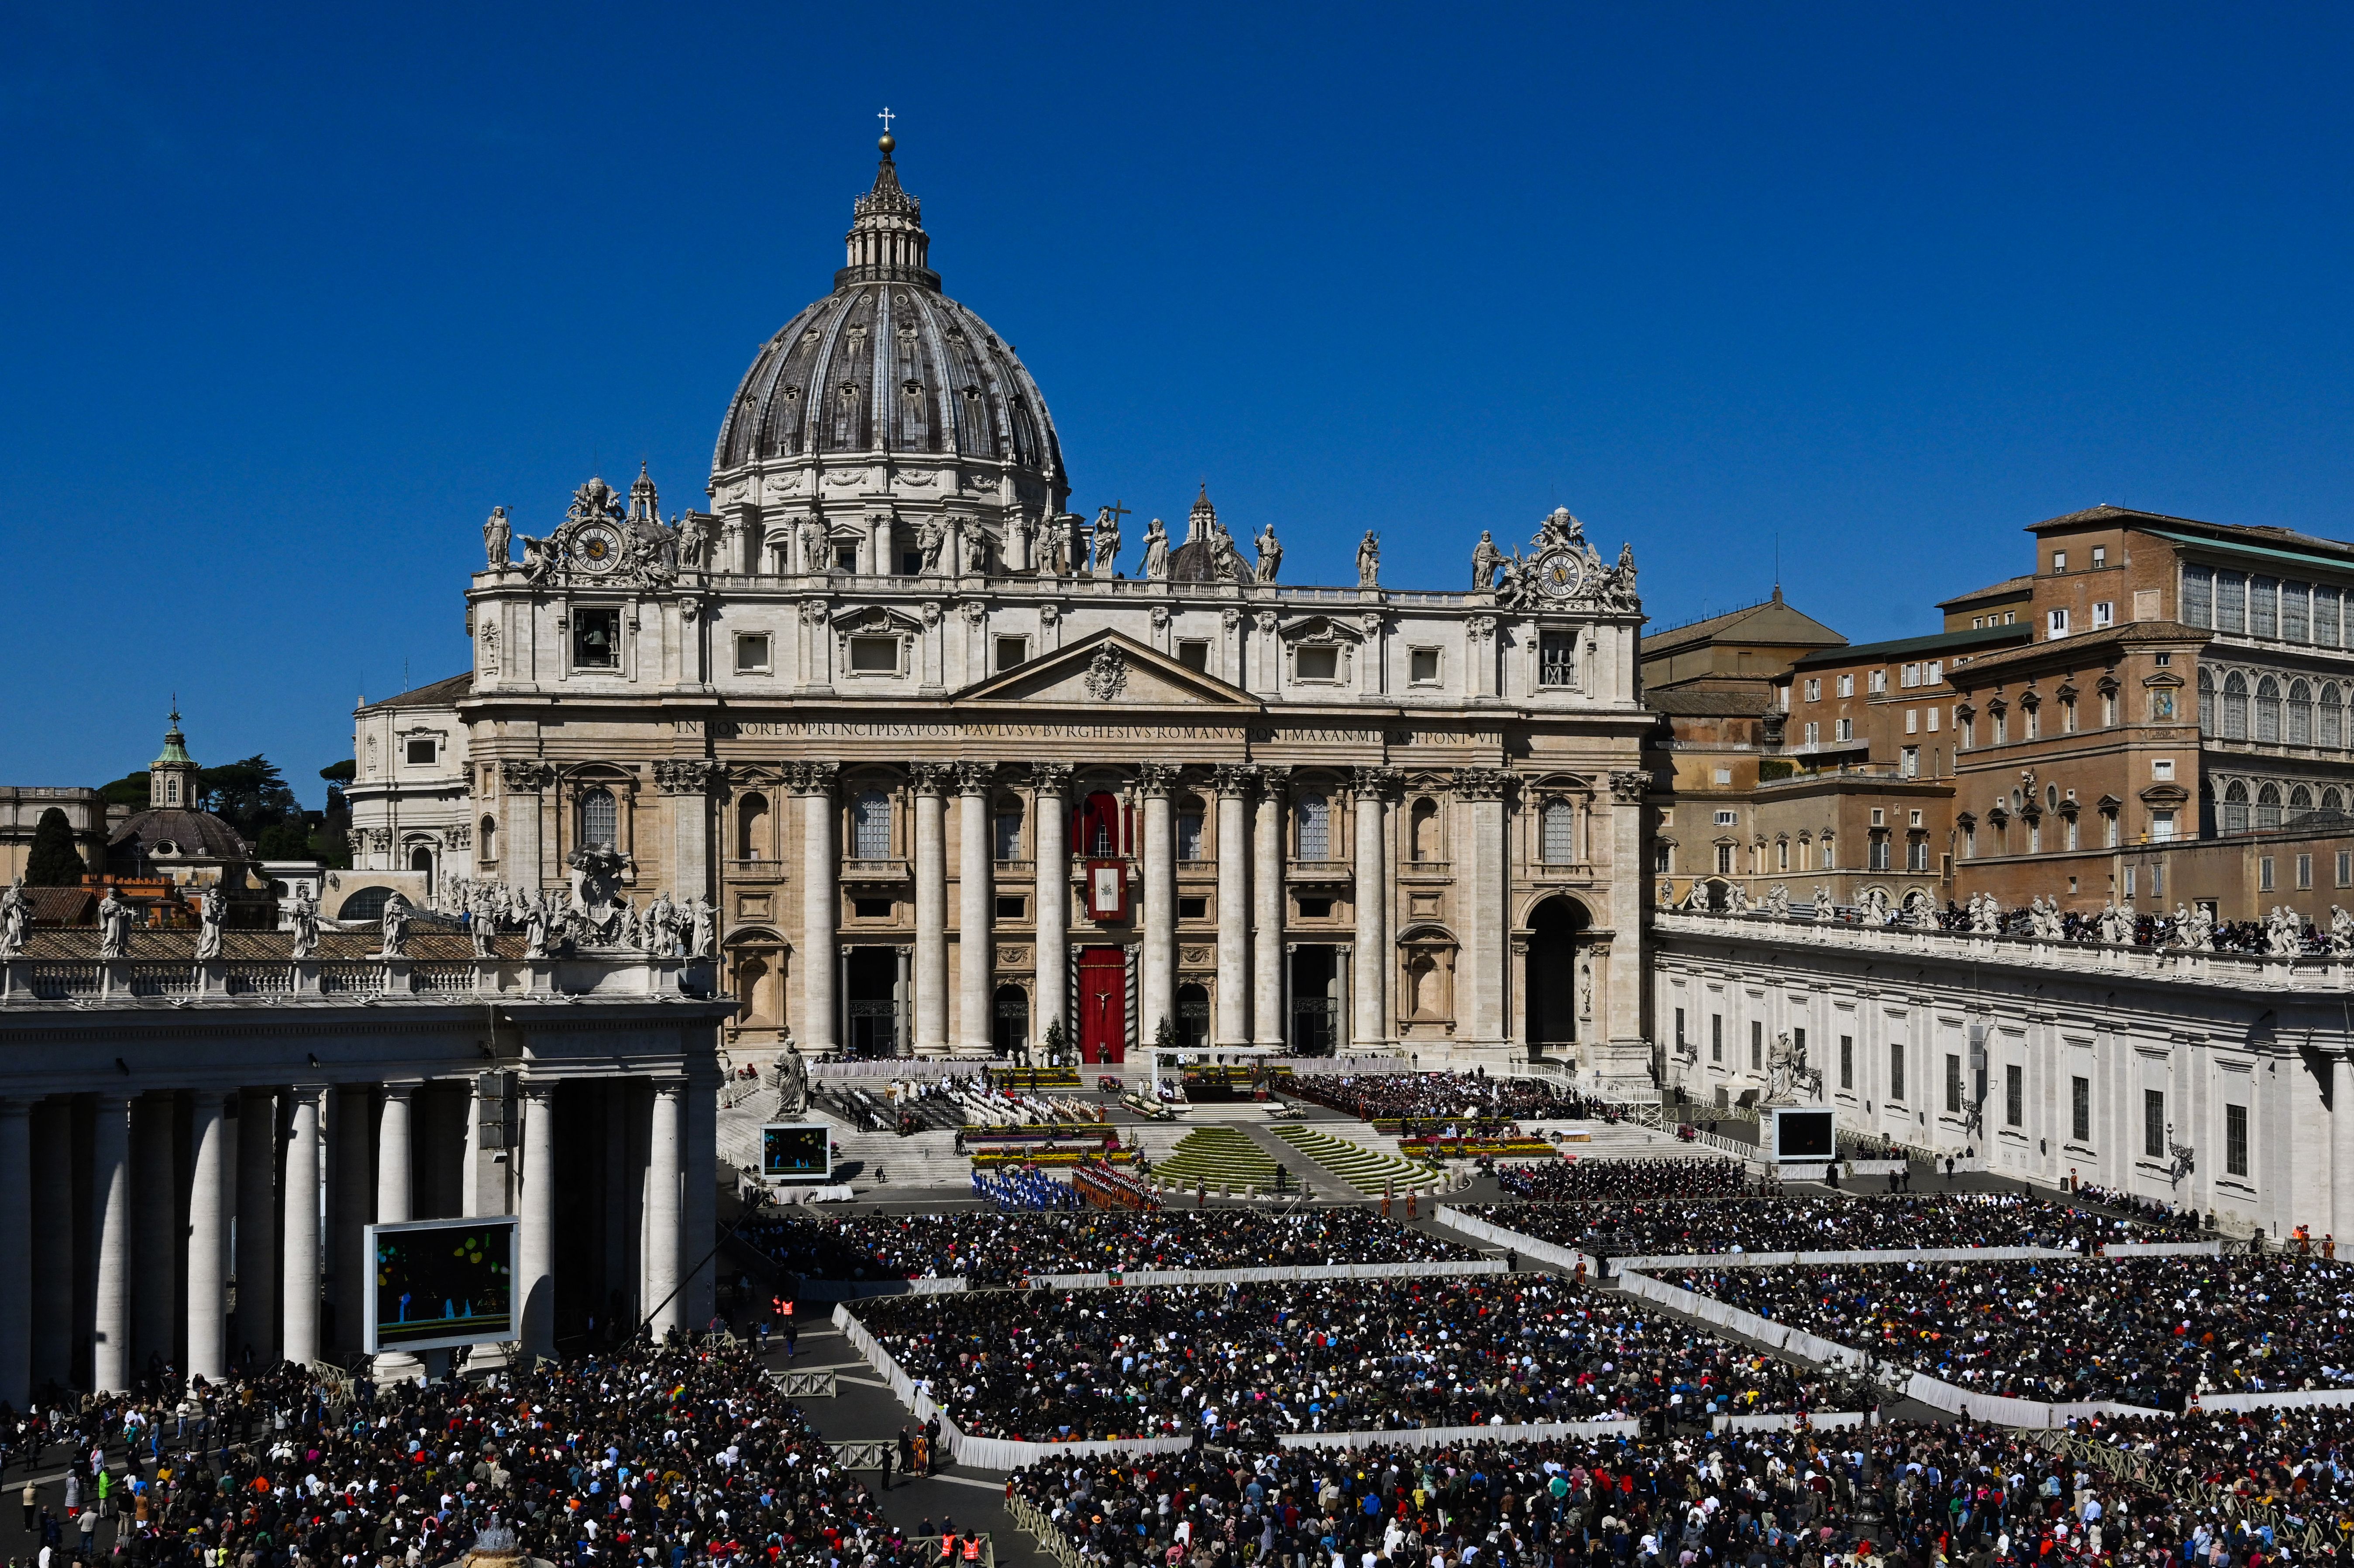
<point x="292" y="298"/>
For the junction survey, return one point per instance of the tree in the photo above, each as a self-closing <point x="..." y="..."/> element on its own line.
<point x="342" y="772"/>
<point x="289" y="840"/>
<point x="251" y="795"/>
<point x="1055" y="1042"/>
<point x="131" y="791"/>
<point x="53" y="860"/>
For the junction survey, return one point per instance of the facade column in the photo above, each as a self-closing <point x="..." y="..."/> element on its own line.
<point x="1371" y="907"/>
<point x="976" y="939"/>
<point x="820" y="906"/>
<point x="15" y="1253"/>
<point x="155" y="1227"/>
<point x="1050" y="817"/>
<point x="350" y="1114"/>
<point x="257" y="1225"/>
<point x="661" y="1289"/>
<point x="686" y="785"/>
<point x="1158" y="963"/>
<point x="396" y="1200"/>
<point x="2341" y="1138"/>
<point x="53" y="1243"/>
<point x="931" y="908"/>
<point x="699" y="1201"/>
<point x="1268" y="1025"/>
<point x="534" y="1277"/>
<point x="1234" y="1019"/>
<point x="1481" y="988"/>
<point x="301" y="1320"/>
<point x="110" y="1199"/>
<point x="208" y="1237"/>
<point x="1624" y="1063"/>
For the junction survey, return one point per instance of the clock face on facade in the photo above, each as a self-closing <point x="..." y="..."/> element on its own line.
<point x="1558" y="572"/>
<point x="597" y="548"/>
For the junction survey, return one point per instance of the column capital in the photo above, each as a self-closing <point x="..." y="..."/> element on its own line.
<point x="1482" y="783"/>
<point x="974" y="777"/>
<point x="536" y="1088"/>
<point x="1156" y="778"/>
<point x="931" y="777"/>
<point x="1373" y="783"/>
<point x="812" y="778"/>
<point x="1234" y="780"/>
<point x="1050" y="777"/>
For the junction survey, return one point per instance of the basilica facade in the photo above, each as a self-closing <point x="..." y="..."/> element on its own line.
<point x="947" y="770"/>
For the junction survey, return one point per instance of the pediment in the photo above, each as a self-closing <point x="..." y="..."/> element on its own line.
<point x="1107" y="670"/>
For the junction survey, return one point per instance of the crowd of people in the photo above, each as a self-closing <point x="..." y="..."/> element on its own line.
<point x="1910" y="1493"/>
<point x="1667" y="1228"/>
<point x="1006" y="1247"/>
<point x="1575" y="1181"/>
<point x="1463" y="1100"/>
<point x="2147" y="1331"/>
<point x="1248" y="1363"/>
<point x="651" y="1457"/>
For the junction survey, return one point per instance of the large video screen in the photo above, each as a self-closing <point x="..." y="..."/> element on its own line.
<point x="1805" y="1135"/>
<point x="797" y="1151"/>
<point x="441" y="1283"/>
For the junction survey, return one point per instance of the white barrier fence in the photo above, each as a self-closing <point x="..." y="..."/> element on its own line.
<point x="1144" y="1279"/>
<point x="2163" y="1249"/>
<point x="2288" y="1399"/>
<point x="1562" y="1257"/>
<point x="1447" y="1436"/>
<point x="1816" y="1420"/>
<point x="864" y="1289"/>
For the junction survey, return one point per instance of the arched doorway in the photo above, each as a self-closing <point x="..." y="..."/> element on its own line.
<point x="1103" y="1004"/>
<point x="421" y="859"/>
<point x="872" y="1001"/>
<point x="1194" y="1017"/>
<point x="1556" y="938"/>
<point x="1009" y="1023"/>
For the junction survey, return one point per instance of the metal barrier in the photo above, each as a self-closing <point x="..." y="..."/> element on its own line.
<point x="864" y="1453"/>
<point x="1028" y="1516"/>
<point x="813" y="1385"/>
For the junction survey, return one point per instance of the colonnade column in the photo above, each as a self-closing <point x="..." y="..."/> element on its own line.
<point x="395" y="1156"/>
<point x="352" y="1153"/>
<point x="301" y="1323"/>
<point x="698" y="1199"/>
<point x="931" y="908"/>
<point x="976" y="941"/>
<point x="1268" y="1026"/>
<point x="1234" y="1024"/>
<point x="1372" y="902"/>
<point x="821" y="905"/>
<point x="155" y="1229"/>
<point x="662" y="1209"/>
<point x="109" y="1194"/>
<point x="1158" y="980"/>
<point x="15" y="1253"/>
<point x="257" y="1224"/>
<point x="534" y="1275"/>
<point x="2341" y="1138"/>
<point x="208" y="1237"/>
<point x="52" y="1278"/>
<point x="1049" y="820"/>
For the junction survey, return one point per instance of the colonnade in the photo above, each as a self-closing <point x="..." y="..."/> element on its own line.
<point x="1253" y="833"/>
<point x="198" y="1227"/>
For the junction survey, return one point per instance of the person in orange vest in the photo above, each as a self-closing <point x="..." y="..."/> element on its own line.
<point x="2328" y="1245"/>
<point x="972" y="1547"/>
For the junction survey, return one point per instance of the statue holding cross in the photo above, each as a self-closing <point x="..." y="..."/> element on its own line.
<point x="1107" y="540"/>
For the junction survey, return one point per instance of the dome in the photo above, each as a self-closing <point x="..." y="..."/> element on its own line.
<point x="177" y="834"/>
<point x="888" y="364"/>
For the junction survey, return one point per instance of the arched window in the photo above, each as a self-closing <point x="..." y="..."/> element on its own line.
<point x="2331" y="800"/>
<point x="2235" y="706"/>
<point x="1100" y="825"/>
<point x="1830" y="853"/>
<point x="1424" y="837"/>
<point x="2206" y="702"/>
<point x="2268" y="807"/>
<point x="1009" y="829"/>
<point x="870" y="826"/>
<point x="2330" y="719"/>
<point x="486" y="840"/>
<point x="1558" y="825"/>
<point x="367" y="904"/>
<point x="2268" y="711"/>
<point x="2298" y="730"/>
<point x="2300" y="800"/>
<point x="420" y="859"/>
<point x="597" y="819"/>
<point x="2235" y="806"/>
<point x="1315" y="827"/>
<point x="1189" y="827"/>
<point x="752" y="827"/>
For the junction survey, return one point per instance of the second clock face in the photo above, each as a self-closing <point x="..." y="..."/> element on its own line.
<point x="1558" y="572"/>
<point x="597" y="548"/>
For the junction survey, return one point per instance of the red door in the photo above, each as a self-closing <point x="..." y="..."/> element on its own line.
<point x="1103" y="1004"/>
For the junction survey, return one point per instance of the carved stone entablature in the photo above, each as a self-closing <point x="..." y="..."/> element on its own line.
<point x="525" y="777"/>
<point x="1628" y="786"/>
<point x="688" y="774"/>
<point x="1482" y="783"/>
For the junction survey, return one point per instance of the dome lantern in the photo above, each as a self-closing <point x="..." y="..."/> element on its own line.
<point x="886" y="242"/>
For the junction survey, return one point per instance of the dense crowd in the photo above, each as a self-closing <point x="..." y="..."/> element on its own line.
<point x="1454" y="1099"/>
<point x="2142" y="1330"/>
<point x="1825" y="1222"/>
<point x="651" y="1457"/>
<point x="1248" y="1363"/>
<point x="1908" y="1493"/>
<point x="1577" y="1179"/>
<point x="1003" y="1248"/>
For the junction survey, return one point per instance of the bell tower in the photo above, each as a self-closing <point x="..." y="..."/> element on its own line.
<point x="172" y="777"/>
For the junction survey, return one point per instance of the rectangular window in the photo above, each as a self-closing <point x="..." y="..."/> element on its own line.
<point x="2161" y="826"/>
<point x="1879" y="851"/>
<point x="1194" y="654"/>
<point x="1557" y="834"/>
<point x="1908" y="764"/>
<point x="1953" y="1085"/>
<point x="2130" y="881"/>
<point x="1010" y="906"/>
<point x="1846" y="685"/>
<point x="2327" y="617"/>
<point x="1756" y="1046"/>
<point x="2033" y="719"/>
<point x="2235" y="1140"/>
<point x="2152" y="1123"/>
<point x="1847" y="1061"/>
<point x="875" y="655"/>
<point x="2345" y="868"/>
<point x="1192" y="909"/>
<point x="2264" y="607"/>
<point x="1877" y="683"/>
<point x="2080" y="1110"/>
<point x="2059" y="560"/>
<point x="1188" y="836"/>
<point x="1813" y="733"/>
<point x="1815" y="689"/>
<point x="2296" y="612"/>
<point x="2014" y="1094"/>
<point x="2232" y="601"/>
<point x="2104" y="613"/>
<point x="2305" y="871"/>
<point x="1917" y="855"/>
<point x="421" y="753"/>
<point x="1830" y="860"/>
<point x="1845" y="729"/>
<point x="1423" y="667"/>
<point x="1716" y="1037"/>
<point x="2263" y="874"/>
<point x="2099" y="556"/>
<point x="2067" y="716"/>
<point x="1680" y="1026"/>
<point x="1556" y="658"/>
<point x="872" y="908"/>
<point x="1930" y="716"/>
<point x="2198" y="596"/>
<point x="596" y="639"/>
<point x="1727" y="818"/>
<point x="1912" y="721"/>
<point x="1896" y="1069"/>
<point x="911" y="562"/>
<point x="2055" y="623"/>
<point x="1315" y="909"/>
<point x="1316" y="665"/>
<point x="1908" y="675"/>
<point x="2001" y="729"/>
<point x="1012" y="652"/>
<point x="846" y="558"/>
<point x="752" y="653"/>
